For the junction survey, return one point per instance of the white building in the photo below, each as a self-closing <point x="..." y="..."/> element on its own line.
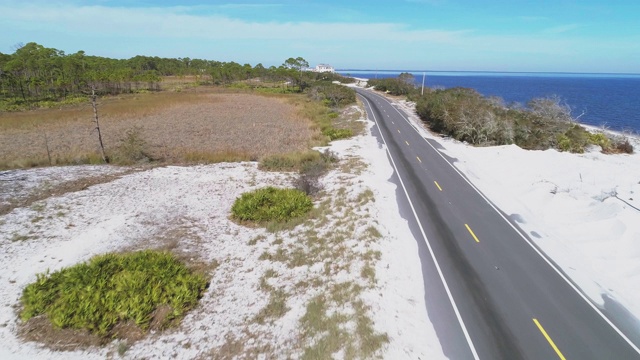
<point x="324" y="68"/>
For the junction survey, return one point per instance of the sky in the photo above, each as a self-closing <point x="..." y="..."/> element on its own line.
<point x="441" y="35"/>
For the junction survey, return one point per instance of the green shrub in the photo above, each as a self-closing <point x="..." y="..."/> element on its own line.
<point x="333" y="95"/>
<point x="336" y="134"/>
<point x="564" y="143"/>
<point x="402" y="85"/>
<point x="132" y="148"/>
<point x="601" y="140"/>
<point x="112" y="289"/>
<point x="271" y="204"/>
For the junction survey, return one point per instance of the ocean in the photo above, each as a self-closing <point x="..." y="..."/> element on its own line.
<point x="610" y="100"/>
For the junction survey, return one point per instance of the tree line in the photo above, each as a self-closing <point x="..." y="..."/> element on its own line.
<point x="36" y="73"/>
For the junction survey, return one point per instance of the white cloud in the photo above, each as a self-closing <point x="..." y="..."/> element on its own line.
<point x="180" y="22"/>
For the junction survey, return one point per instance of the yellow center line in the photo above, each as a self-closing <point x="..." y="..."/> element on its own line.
<point x="472" y="234"/>
<point x="546" y="336"/>
<point x="417" y="157"/>
<point x="406" y="142"/>
<point x="438" y="185"/>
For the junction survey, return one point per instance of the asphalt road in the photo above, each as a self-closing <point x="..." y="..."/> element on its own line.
<point x="491" y="293"/>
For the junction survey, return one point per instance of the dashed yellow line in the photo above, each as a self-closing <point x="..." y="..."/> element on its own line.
<point x="438" y="185"/>
<point x="406" y="142"/>
<point x="472" y="234"/>
<point x="417" y="157"/>
<point x="546" y="336"/>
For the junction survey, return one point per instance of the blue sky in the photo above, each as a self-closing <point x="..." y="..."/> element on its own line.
<point x="492" y="35"/>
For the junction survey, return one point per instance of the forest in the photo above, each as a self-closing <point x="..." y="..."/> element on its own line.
<point x="35" y="74"/>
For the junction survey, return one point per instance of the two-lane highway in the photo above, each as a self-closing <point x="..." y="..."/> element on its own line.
<point x="504" y="298"/>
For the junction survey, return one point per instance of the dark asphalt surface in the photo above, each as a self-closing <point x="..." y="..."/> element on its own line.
<point x="496" y="297"/>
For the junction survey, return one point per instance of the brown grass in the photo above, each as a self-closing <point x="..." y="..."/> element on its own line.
<point x="198" y="125"/>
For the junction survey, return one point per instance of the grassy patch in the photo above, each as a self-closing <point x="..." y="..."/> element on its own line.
<point x="208" y="126"/>
<point x="271" y="204"/>
<point x="276" y="307"/>
<point x="114" y="289"/>
<point x="329" y="328"/>
<point x="290" y="162"/>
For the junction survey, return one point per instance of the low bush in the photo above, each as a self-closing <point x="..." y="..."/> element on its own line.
<point x="601" y="140"/>
<point x="132" y="148"/>
<point x="337" y="134"/>
<point x="112" y="289"/>
<point x="544" y="123"/>
<point x="271" y="204"/>
<point x="465" y="115"/>
<point x="333" y="94"/>
<point x="402" y="85"/>
<point x="623" y="146"/>
<point x="311" y="171"/>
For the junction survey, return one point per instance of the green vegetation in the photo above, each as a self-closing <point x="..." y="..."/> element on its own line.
<point x="38" y="77"/>
<point x="297" y="161"/>
<point x="544" y="123"/>
<point x="333" y="95"/>
<point x="132" y="148"/>
<point x="329" y="329"/>
<point x="402" y="85"/>
<point x="112" y="289"/>
<point x="271" y="204"/>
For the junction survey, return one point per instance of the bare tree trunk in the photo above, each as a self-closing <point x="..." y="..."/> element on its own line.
<point x="46" y="144"/>
<point x="95" y="119"/>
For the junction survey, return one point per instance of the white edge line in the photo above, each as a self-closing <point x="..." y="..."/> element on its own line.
<point x="435" y="261"/>
<point x="554" y="267"/>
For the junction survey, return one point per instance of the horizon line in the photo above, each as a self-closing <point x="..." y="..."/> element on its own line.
<point x="491" y="72"/>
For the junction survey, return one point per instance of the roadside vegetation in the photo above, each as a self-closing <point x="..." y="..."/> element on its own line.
<point x="329" y="262"/>
<point x="113" y="295"/>
<point x="466" y="115"/>
<point x="271" y="204"/>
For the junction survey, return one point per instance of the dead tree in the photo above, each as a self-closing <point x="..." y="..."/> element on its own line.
<point x="46" y="144"/>
<point x="95" y="119"/>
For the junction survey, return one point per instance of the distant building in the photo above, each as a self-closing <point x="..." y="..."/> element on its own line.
<point x="321" y="68"/>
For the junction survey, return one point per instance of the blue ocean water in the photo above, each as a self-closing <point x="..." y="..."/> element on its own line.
<point x="612" y="100"/>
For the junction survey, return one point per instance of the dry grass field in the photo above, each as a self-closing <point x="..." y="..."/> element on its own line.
<point x="198" y="125"/>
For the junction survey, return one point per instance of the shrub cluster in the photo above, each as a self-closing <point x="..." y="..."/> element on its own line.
<point x="333" y="95"/>
<point x="112" y="289"/>
<point x="544" y="123"/>
<point x="402" y="85"/>
<point x="271" y="204"/>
